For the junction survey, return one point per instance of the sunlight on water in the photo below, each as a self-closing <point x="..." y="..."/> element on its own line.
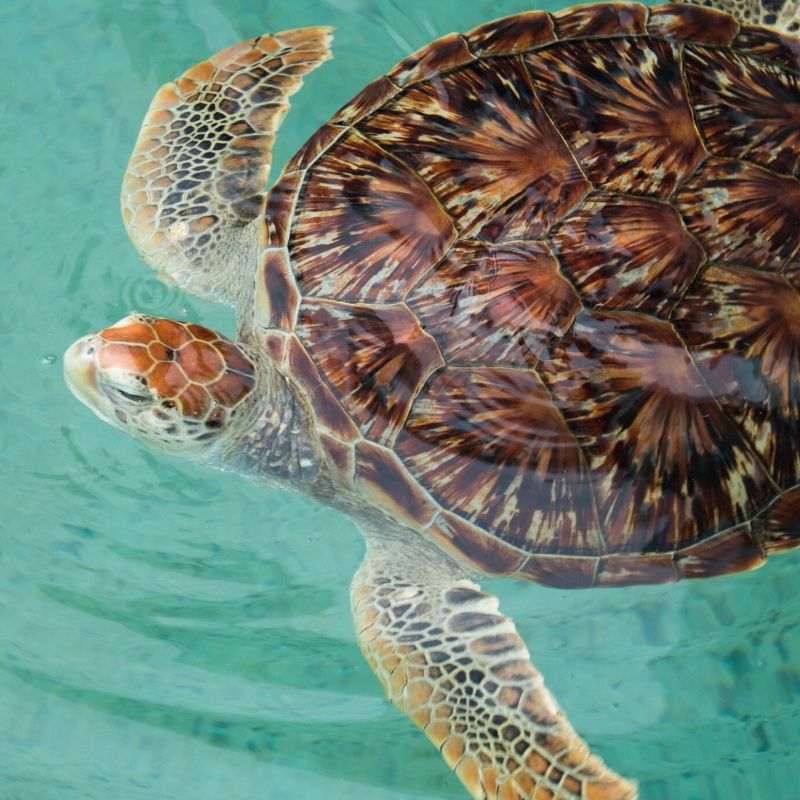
<point x="167" y="632"/>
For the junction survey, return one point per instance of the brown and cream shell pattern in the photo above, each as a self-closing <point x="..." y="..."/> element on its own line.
<point x="540" y="286"/>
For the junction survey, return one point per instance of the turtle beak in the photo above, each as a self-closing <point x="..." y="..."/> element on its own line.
<point x="80" y="374"/>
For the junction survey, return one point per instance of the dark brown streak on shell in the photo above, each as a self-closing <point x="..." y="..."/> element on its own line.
<point x="742" y="327"/>
<point x="482" y="142"/>
<point x="372" y="97"/>
<point x="366" y="227"/>
<point x="622" y="108"/>
<point x="769" y="44"/>
<point x="512" y="35"/>
<point x="742" y="213"/>
<point x="495" y="303"/>
<point x="778" y="527"/>
<point x="602" y="19"/>
<point x="280" y="208"/>
<point x="472" y="545"/>
<point x="277" y="298"/>
<point x="669" y="466"/>
<point x="489" y="445"/>
<point x="380" y="473"/>
<point x="746" y="107"/>
<point x="442" y="55"/>
<point x="327" y="410"/>
<point x="731" y="551"/>
<point x="377" y="358"/>
<point x="691" y="23"/>
<point x="627" y="252"/>
<point x="319" y="142"/>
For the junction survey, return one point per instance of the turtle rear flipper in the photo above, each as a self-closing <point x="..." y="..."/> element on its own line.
<point x="782" y="15"/>
<point x="198" y="171"/>
<point x="456" y="666"/>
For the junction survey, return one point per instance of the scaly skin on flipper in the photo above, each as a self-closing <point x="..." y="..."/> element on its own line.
<point x="200" y="166"/>
<point x="783" y="15"/>
<point x="456" y="666"/>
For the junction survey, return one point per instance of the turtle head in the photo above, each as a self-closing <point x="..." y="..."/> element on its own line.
<point x="175" y="385"/>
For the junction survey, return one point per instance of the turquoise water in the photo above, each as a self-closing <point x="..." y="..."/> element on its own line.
<point x="167" y="632"/>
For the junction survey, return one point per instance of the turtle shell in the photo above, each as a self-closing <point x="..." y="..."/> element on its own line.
<point x="540" y="286"/>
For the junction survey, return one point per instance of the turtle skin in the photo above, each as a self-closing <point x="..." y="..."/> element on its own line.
<point x="539" y="285"/>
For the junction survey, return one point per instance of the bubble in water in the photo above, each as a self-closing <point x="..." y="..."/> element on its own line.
<point x="49" y="359"/>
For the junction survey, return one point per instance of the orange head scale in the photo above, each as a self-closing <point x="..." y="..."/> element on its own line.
<point x="177" y="385"/>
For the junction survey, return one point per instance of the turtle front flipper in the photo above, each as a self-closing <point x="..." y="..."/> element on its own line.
<point x="457" y="667"/>
<point x="197" y="175"/>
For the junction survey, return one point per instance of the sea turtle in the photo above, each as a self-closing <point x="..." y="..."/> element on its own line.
<point x="527" y="306"/>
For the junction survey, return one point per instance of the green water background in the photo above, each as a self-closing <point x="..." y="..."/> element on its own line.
<point x="168" y="632"/>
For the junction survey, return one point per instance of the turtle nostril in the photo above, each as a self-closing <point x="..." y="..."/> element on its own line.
<point x="88" y="347"/>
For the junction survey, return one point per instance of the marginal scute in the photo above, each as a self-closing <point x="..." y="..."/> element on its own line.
<point x="512" y="35"/>
<point x="746" y="107"/>
<point x="495" y="303"/>
<point x="778" y="527"/>
<point x="621" y="105"/>
<point x="327" y="411"/>
<point x="668" y="465"/>
<point x="622" y="570"/>
<point x="382" y="478"/>
<point x="483" y="143"/>
<point x="320" y="141"/>
<point x="372" y="97"/>
<point x="627" y="252"/>
<point x="731" y="551"/>
<point x="341" y="456"/>
<point x="489" y="445"/>
<point x="769" y="44"/>
<point x="602" y="19"/>
<point x="563" y="572"/>
<point x="743" y="329"/>
<point x="344" y="240"/>
<point x="442" y="55"/>
<point x="280" y="207"/>
<point x="473" y="546"/>
<point x="695" y="24"/>
<point x="276" y="299"/>
<point x="376" y="358"/>
<point x="742" y="213"/>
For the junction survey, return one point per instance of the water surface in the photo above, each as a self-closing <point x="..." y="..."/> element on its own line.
<point x="167" y="632"/>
